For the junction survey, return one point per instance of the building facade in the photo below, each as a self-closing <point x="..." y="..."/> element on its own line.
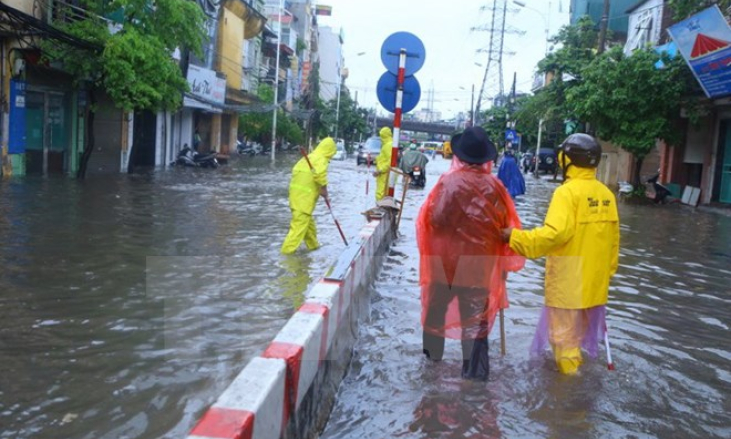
<point x="330" y="59"/>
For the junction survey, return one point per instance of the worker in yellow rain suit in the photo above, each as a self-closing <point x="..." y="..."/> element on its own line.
<point x="580" y="236"/>
<point x="383" y="163"/>
<point x="304" y="189"/>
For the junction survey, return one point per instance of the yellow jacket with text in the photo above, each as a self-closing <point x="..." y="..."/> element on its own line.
<point x="580" y="236"/>
<point x="383" y="162"/>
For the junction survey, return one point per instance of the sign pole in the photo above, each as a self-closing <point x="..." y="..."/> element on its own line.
<point x="397" y="120"/>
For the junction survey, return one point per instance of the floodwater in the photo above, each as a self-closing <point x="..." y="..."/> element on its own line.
<point x="129" y="303"/>
<point x="668" y="316"/>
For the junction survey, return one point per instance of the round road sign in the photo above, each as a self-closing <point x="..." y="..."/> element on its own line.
<point x="386" y="91"/>
<point x="415" y="52"/>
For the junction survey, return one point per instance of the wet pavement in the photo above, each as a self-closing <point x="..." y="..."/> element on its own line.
<point x="668" y="319"/>
<point x="129" y="303"/>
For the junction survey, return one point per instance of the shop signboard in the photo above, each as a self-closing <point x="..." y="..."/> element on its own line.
<point x="206" y="84"/>
<point x="704" y="41"/>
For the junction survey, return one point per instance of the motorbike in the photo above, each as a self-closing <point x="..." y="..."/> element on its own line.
<point x="190" y="158"/>
<point x="661" y="192"/>
<point x="418" y="177"/>
<point x="251" y="149"/>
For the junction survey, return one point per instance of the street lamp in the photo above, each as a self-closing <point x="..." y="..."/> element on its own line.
<point x="544" y="17"/>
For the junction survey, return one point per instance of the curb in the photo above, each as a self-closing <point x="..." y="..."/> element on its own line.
<point x="289" y="390"/>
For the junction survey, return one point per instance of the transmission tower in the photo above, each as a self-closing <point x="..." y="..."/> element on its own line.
<point x="492" y="80"/>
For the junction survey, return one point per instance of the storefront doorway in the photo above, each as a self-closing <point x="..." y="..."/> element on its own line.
<point x="47" y="132"/>
<point x="725" y="168"/>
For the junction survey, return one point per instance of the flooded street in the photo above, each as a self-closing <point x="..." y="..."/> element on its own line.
<point x="668" y="318"/>
<point x="130" y="302"/>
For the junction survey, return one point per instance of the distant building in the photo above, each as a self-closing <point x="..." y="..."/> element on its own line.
<point x="647" y="23"/>
<point x="330" y="56"/>
<point x="618" y="19"/>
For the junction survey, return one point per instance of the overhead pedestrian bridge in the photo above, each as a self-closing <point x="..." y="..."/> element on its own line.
<point x="418" y="126"/>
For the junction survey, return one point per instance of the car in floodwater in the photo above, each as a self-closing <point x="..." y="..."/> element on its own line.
<point x="369" y="151"/>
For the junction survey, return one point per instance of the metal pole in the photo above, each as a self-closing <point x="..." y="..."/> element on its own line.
<point x="603" y="27"/>
<point x="276" y="81"/>
<point x="538" y="145"/>
<point x="472" y="107"/>
<point x="337" y="107"/>
<point x="397" y="120"/>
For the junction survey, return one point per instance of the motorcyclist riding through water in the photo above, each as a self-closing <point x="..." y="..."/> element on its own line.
<point x="414" y="163"/>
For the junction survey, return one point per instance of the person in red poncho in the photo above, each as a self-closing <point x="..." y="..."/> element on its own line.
<point x="463" y="261"/>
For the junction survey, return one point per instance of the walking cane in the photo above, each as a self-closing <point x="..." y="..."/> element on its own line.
<point x="327" y="201"/>
<point x="610" y="365"/>
<point x="502" y="321"/>
<point x="502" y="332"/>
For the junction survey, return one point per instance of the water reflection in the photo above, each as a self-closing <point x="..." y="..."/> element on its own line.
<point x="295" y="281"/>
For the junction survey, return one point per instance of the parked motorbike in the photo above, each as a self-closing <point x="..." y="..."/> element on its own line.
<point x="251" y="148"/>
<point x="418" y="177"/>
<point x="188" y="157"/>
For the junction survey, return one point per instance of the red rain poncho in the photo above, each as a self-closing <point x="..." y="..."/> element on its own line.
<point x="458" y="233"/>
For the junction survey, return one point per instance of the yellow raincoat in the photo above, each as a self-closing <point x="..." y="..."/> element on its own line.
<point x="580" y="236"/>
<point x="383" y="162"/>
<point x="304" y="189"/>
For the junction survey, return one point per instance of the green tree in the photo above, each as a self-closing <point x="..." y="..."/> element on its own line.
<point x="496" y="119"/>
<point x="351" y="119"/>
<point x="258" y="126"/>
<point x="685" y="8"/>
<point x="564" y="67"/>
<point x="630" y="102"/>
<point x="134" y="65"/>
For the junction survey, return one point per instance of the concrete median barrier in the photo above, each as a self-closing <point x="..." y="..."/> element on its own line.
<point x="289" y="390"/>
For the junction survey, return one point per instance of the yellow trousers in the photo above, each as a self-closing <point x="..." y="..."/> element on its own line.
<point x="301" y="228"/>
<point x="566" y="328"/>
<point x="381" y="186"/>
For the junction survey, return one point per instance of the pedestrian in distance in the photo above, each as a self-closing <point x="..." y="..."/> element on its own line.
<point x="196" y="140"/>
<point x="580" y="238"/>
<point x="383" y="163"/>
<point x="305" y="187"/>
<point x="509" y="173"/>
<point x="463" y="261"/>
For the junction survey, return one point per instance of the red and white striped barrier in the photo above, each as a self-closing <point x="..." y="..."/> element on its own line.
<point x="264" y="398"/>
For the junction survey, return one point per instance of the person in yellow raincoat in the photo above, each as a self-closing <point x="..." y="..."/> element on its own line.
<point x="304" y="189"/>
<point x="580" y="236"/>
<point x="383" y="163"/>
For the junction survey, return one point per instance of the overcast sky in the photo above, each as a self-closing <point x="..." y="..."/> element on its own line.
<point x="451" y="46"/>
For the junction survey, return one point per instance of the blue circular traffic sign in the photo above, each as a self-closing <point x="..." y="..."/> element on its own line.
<point x="386" y="91"/>
<point x="415" y="52"/>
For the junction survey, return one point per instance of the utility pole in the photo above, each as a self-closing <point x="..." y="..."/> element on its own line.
<point x="495" y="51"/>
<point x="276" y="81"/>
<point x="511" y="106"/>
<point x="472" y="107"/>
<point x="603" y="27"/>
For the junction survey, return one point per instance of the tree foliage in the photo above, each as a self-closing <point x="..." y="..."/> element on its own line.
<point x="258" y="126"/>
<point x="629" y="101"/>
<point x="685" y="8"/>
<point x="564" y="67"/>
<point x="496" y="119"/>
<point x="134" y="65"/>
<point x="351" y="119"/>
